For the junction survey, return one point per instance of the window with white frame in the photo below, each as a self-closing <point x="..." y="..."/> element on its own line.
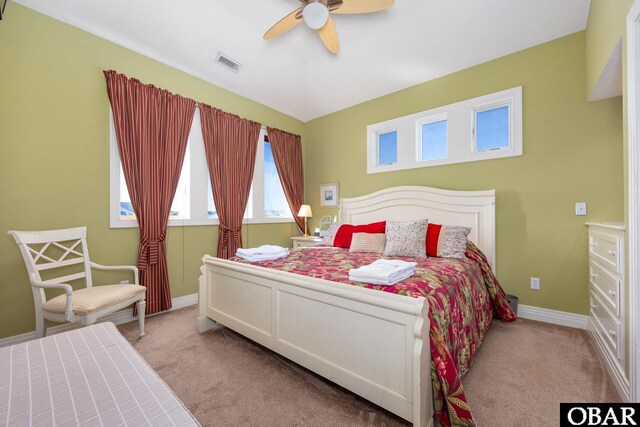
<point x="482" y="128"/>
<point x="193" y="202"/>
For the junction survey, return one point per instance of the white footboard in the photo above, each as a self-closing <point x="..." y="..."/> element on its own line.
<point x="372" y="343"/>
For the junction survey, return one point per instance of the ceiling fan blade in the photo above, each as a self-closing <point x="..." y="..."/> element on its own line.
<point x="363" y="6"/>
<point x="284" y="25"/>
<point x="329" y="36"/>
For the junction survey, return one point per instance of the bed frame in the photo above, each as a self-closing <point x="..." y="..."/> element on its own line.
<point x="372" y="343"/>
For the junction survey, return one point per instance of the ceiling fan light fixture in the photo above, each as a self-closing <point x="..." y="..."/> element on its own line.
<point x="315" y="15"/>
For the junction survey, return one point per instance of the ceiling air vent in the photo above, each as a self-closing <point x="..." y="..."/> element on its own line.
<point x="227" y="62"/>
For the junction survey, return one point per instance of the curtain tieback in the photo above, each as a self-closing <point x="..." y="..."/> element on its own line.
<point x="235" y="233"/>
<point x="149" y="252"/>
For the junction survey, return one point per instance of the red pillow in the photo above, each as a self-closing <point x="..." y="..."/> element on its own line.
<point x="433" y="233"/>
<point x="345" y="232"/>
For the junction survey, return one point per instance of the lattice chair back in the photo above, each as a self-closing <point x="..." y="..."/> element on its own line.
<point x="63" y="257"/>
<point x="51" y="250"/>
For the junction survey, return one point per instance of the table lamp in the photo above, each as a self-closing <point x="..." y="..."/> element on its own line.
<point x="305" y="212"/>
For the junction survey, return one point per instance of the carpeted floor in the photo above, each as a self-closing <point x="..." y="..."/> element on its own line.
<point x="520" y="375"/>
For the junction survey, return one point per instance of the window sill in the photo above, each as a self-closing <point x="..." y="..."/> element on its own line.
<point x="200" y="222"/>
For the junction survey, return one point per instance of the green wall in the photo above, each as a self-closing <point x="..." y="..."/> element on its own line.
<point x="54" y="151"/>
<point x="605" y="27"/>
<point x="54" y="158"/>
<point x="572" y="152"/>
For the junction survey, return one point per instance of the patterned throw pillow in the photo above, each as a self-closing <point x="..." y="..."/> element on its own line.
<point x="406" y="238"/>
<point x="447" y="241"/>
<point x="367" y="242"/>
<point x="327" y="240"/>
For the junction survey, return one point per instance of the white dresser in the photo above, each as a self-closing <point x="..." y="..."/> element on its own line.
<point x="606" y="296"/>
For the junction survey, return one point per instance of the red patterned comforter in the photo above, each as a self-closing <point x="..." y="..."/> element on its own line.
<point x="462" y="296"/>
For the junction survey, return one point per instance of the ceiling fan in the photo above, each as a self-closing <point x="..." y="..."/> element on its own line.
<point x="316" y="14"/>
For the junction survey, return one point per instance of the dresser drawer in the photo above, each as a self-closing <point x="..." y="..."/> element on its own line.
<point x="606" y="326"/>
<point x="606" y="249"/>
<point x="607" y="285"/>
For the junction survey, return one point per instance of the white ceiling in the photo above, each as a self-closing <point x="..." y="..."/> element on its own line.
<point x="413" y="42"/>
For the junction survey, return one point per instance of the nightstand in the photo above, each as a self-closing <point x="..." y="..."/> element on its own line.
<point x="305" y="242"/>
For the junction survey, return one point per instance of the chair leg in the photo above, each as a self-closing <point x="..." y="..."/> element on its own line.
<point x="141" y="304"/>
<point x="41" y="325"/>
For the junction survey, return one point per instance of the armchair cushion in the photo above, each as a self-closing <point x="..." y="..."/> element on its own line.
<point x="89" y="300"/>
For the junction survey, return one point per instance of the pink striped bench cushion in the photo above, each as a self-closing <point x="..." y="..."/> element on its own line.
<point x="87" y="376"/>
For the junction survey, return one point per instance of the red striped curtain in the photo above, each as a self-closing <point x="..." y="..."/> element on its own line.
<point x="152" y="127"/>
<point x="230" y="144"/>
<point x="287" y="155"/>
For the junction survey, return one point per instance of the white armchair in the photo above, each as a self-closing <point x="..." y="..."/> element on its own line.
<point x="61" y="249"/>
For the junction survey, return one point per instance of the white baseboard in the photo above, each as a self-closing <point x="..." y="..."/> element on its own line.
<point x="561" y="318"/>
<point x="118" y="318"/>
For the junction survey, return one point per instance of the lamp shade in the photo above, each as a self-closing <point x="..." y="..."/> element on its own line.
<point x="305" y="211"/>
<point x="315" y="15"/>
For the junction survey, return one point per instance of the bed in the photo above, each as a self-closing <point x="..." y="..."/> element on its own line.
<point x="376" y="344"/>
<point x="87" y="376"/>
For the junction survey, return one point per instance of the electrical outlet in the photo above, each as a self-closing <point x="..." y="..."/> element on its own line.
<point x="535" y="283"/>
<point x="124" y="282"/>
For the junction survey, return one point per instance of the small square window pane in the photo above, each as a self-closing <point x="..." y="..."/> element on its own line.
<point x="492" y="129"/>
<point x="388" y="148"/>
<point x="434" y="140"/>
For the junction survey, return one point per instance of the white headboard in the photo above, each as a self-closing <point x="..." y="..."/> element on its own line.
<point x="474" y="209"/>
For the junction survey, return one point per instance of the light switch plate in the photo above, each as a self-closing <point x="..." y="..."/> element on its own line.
<point x="535" y="283"/>
<point x="581" y="208"/>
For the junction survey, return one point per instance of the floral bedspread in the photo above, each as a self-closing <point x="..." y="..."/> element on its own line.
<point x="462" y="294"/>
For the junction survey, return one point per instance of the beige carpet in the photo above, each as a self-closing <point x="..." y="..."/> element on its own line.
<point x="520" y="375"/>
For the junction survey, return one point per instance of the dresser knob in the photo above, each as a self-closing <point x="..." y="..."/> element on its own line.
<point x="612" y="253"/>
<point x="594" y="305"/>
<point x="594" y="276"/>
<point x="611" y="293"/>
<point x="612" y="332"/>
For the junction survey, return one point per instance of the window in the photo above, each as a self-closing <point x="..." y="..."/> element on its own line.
<point x="492" y="129"/>
<point x="483" y="128"/>
<point x="193" y="202"/>
<point x="433" y="140"/>
<point x="275" y="202"/>
<point x="388" y="148"/>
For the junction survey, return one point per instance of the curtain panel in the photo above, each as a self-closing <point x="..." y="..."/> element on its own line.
<point x="230" y="143"/>
<point x="152" y="128"/>
<point x="287" y="155"/>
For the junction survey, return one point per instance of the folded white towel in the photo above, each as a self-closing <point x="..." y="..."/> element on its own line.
<point x="263" y="253"/>
<point x="263" y="257"/>
<point x="383" y="272"/>
<point x="383" y="269"/>
<point x="262" y="250"/>
<point x="376" y="281"/>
